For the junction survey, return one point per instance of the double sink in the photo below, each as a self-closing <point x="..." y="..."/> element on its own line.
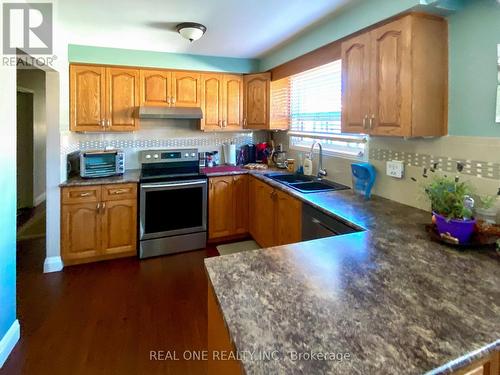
<point x="305" y="184"/>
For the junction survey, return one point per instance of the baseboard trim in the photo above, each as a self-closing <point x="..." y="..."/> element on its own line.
<point x="40" y="199"/>
<point x="52" y="264"/>
<point x="9" y="341"/>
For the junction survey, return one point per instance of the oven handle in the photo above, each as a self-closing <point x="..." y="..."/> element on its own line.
<point x="174" y="184"/>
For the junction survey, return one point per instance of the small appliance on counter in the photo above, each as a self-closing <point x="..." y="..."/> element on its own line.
<point x="95" y="164"/>
<point x="363" y="178"/>
<point x="246" y="154"/>
<point x="279" y="159"/>
<point x="261" y="152"/>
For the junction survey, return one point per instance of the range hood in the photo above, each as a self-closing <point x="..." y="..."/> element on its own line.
<point x="150" y="112"/>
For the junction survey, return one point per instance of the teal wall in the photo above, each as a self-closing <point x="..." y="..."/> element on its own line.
<point x="474" y="34"/>
<point x="362" y="14"/>
<point x="117" y="56"/>
<point x="7" y="201"/>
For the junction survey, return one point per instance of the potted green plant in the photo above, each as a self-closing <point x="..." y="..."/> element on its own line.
<point x="451" y="207"/>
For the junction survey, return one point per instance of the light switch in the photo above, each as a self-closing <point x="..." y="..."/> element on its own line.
<point x="395" y="168"/>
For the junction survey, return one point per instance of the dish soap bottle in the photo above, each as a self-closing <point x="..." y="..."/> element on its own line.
<point x="308" y="165"/>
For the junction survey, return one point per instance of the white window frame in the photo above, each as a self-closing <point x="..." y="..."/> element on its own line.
<point x="342" y="137"/>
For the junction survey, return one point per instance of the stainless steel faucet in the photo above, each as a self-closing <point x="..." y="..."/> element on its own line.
<point x="321" y="172"/>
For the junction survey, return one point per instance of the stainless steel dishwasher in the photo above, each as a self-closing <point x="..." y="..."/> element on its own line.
<point x="316" y="224"/>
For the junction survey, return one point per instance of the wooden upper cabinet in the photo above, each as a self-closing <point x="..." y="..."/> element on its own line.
<point x="280" y="104"/>
<point x="395" y="79"/>
<point x="256" y="99"/>
<point x="186" y="89"/>
<point x="87" y="98"/>
<point x="391" y="79"/>
<point x="211" y="101"/>
<point x="156" y="87"/>
<point x="123" y="99"/>
<point x="355" y="84"/>
<point x="232" y="101"/>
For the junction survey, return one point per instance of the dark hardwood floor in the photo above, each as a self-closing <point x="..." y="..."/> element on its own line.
<point x="105" y="318"/>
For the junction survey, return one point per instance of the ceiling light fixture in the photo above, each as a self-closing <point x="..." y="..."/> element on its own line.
<point x="191" y="30"/>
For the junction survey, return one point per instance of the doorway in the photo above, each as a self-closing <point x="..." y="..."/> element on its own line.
<point x="31" y="144"/>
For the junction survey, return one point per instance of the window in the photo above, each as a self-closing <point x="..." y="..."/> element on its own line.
<point x="315" y="109"/>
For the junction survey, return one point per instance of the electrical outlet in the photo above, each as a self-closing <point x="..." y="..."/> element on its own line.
<point x="395" y="168"/>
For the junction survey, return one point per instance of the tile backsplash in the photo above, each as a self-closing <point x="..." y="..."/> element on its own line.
<point x="157" y="134"/>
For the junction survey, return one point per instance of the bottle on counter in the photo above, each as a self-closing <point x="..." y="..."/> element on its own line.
<point x="308" y="165"/>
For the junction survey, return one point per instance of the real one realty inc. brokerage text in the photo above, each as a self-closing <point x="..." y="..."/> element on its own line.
<point x="246" y="355"/>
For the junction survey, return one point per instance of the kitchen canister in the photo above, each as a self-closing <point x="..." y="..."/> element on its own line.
<point x="229" y="151"/>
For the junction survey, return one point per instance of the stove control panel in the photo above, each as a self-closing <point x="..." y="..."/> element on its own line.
<point x="168" y="156"/>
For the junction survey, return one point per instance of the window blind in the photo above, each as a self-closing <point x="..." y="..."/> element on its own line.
<point x="315" y="111"/>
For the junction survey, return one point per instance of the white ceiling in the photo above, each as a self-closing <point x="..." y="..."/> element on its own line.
<point x="235" y="28"/>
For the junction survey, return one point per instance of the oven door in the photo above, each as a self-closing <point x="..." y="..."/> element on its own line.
<point x="172" y="208"/>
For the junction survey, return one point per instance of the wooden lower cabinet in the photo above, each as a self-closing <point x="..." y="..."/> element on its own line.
<point x="80" y="231"/>
<point x="219" y="340"/>
<point x="288" y="219"/>
<point x="220" y="203"/>
<point x="118" y="227"/>
<point x="98" y="222"/>
<point x="263" y="218"/>
<point x="227" y="206"/>
<point x="489" y="365"/>
<point x="275" y="216"/>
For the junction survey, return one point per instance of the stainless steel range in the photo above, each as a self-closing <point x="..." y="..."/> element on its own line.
<point x="173" y="202"/>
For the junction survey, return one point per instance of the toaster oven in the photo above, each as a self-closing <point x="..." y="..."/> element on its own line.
<point x="94" y="164"/>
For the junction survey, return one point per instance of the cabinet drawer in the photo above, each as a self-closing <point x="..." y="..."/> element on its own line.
<point x="119" y="192"/>
<point x="81" y="194"/>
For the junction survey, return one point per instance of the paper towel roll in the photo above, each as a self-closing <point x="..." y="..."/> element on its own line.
<point x="229" y="154"/>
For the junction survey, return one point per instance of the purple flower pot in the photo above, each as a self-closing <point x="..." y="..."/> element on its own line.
<point x="460" y="229"/>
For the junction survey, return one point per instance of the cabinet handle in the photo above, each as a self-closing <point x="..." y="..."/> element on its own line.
<point x="98" y="206"/>
<point x="168" y="100"/>
<point x="364" y="122"/>
<point x="101" y="122"/>
<point x="211" y="184"/>
<point x="371" y="121"/>
<point x="220" y="123"/>
<point x="245" y="121"/>
<point x="84" y="194"/>
<point x="119" y="191"/>
<point x="224" y="123"/>
<point x="103" y="206"/>
<point x="173" y="100"/>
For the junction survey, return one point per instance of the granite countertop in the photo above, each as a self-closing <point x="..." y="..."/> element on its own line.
<point x="389" y="298"/>
<point x="130" y="176"/>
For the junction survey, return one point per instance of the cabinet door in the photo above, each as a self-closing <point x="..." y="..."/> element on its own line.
<point x="232" y="102"/>
<point x="211" y="102"/>
<point x="119" y="226"/>
<point x="264" y="214"/>
<point x="220" y="207"/>
<point x="186" y="89"/>
<point x="256" y="99"/>
<point x="356" y="84"/>
<point x="252" y="200"/>
<point x="123" y="99"/>
<point x="80" y="231"/>
<point x="156" y="87"/>
<point x="240" y="197"/>
<point x="87" y="98"/>
<point x="288" y="219"/>
<point x="391" y="79"/>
